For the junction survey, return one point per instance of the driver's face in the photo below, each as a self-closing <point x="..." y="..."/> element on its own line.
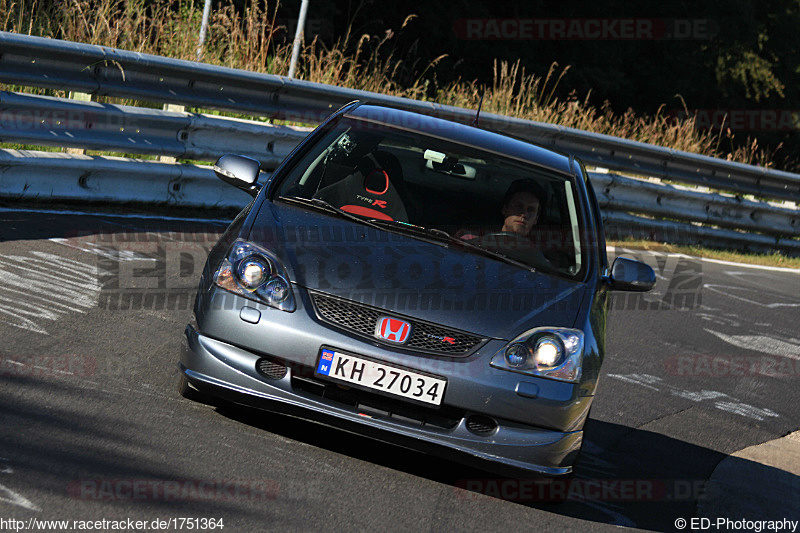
<point x="521" y="213"/>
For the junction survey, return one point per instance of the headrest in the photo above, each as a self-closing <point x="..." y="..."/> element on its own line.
<point x="377" y="182"/>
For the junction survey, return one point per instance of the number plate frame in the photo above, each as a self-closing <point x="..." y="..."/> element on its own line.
<point x="375" y="363"/>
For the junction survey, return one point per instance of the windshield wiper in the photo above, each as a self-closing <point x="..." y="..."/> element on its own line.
<point x="442" y="236"/>
<point x="405" y="228"/>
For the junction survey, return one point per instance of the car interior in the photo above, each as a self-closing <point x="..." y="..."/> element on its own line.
<point x="435" y="184"/>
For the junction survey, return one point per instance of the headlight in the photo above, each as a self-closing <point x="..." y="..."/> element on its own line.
<point x="548" y="352"/>
<point x="253" y="272"/>
<point x="555" y="353"/>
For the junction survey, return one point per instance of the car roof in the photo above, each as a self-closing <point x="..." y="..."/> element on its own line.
<point x="463" y="134"/>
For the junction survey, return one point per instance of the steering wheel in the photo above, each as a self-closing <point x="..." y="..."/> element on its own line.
<point x="508" y="233"/>
<point x="506" y="238"/>
<point x="517" y="247"/>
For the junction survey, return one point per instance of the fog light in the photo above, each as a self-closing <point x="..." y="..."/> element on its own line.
<point x="517" y="355"/>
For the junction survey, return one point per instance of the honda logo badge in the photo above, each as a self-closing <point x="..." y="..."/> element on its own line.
<point x="393" y="329"/>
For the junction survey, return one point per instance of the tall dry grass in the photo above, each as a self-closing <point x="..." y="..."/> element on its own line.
<point x="247" y="40"/>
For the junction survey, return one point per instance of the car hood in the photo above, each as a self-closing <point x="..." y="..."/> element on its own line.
<point x="413" y="278"/>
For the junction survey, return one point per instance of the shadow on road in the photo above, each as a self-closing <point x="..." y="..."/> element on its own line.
<point x="73" y="452"/>
<point x="626" y="477"/>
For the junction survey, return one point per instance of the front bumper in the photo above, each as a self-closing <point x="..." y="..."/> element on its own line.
<point x="221" y="369"/>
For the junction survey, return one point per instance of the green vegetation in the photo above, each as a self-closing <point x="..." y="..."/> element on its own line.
<point x="244" y="38"/>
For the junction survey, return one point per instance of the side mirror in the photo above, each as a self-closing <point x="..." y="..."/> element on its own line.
<point x="630" y="275"/>
<point x="239" y="171"/>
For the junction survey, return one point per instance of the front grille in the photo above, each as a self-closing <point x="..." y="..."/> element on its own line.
<point x="362" y="319"/>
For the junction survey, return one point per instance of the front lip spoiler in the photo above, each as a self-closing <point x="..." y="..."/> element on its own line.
<point x="200" y="364"/>
<point x="498" y="465"/>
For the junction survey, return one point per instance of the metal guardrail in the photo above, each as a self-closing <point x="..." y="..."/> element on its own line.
<point x="105" y="71"/>
<point x="46" y="121"/>
<point x="55" y="175"/>
<point x="652" y="198"/>
<point x="30" y="175"/>
<point x="51" y="121"/>
<point x="60" y="176"/>
<point x="624" y="225"/>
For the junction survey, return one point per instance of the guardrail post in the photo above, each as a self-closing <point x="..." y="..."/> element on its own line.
<point x="203" y="26"/>
<point x="171" y="107"/>
<point x="83" y="97"/>
<point x="298" y="37"/>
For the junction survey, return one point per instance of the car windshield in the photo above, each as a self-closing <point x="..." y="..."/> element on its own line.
<point x="423" y="185"/>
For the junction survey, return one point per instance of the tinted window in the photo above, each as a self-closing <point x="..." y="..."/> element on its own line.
<point x="379" y="172"/>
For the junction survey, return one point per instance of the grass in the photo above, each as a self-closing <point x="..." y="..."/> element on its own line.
<point x="247" y="40"/>
<point x="773" y="259"/>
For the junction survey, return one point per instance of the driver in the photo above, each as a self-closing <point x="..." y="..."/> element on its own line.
<point x="521" y="206"/>
<point x="520" y="210"/>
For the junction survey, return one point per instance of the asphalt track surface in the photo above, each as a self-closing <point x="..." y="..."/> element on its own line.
<point x="705" y="365"/>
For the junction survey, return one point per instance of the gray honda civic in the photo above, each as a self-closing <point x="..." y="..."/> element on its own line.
<point x="418" y="281"/>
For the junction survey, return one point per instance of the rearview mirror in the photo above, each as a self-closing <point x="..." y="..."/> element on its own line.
<point x="630" y="275"/>
<point x="240" y="171"/>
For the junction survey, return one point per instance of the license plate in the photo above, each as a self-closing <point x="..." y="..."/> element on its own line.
<point x="372" y="375"/>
